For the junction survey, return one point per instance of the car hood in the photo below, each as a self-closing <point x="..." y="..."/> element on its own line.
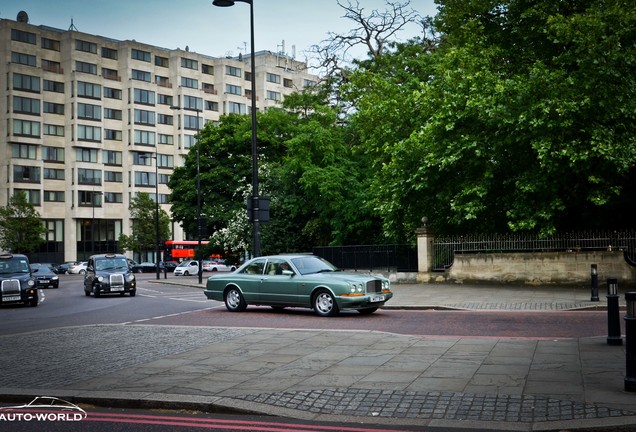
<point x="19" y="276"/>
<point x="108" y="273"/>
<point x="346" y="277"/>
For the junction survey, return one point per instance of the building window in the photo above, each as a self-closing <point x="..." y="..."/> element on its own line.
<point x="89" y="90"/>
<point x="52" y="66"/>
<point x="113" y="197"/>
<point x="89" y="112"/>
<point x="53" y="86"/>
<point x="90" y="47"/>
<point x="208" y="88"/>
<point x="165" y="161"/>
<point x="248" y="76"/>
<point x="32" y="195"/>
<point x="162" y="81"/>
<point x="137" y="54"/>
<point x="164" y="178"/>
<point x="211" y="105"/>
<point x="164" y="99"/>
<point x="145" y="178"/>
<point x="189" y="63"/>
<point x="288" y="82"/>
<point x="161" y="61"/>
<point x="89" y="176"/>
<point x="89" y="133"/>
<point x="23" y="59"/>
<point x="109" y="53"/>
<point x="113" y="177"/>
<point x="165" y="119"/>
<point x="166" y="139"/>
<point x="84" y="67"/>
<point x="207" y="69"/>
<point x="86" y="155"/>
<point x="25" y="105"/>
<point x="24" y="151"/>
<point x="50" y="44"/>
<point x="233" y="71"/>
<point x="140" y="75"/>
<point x="189" y="82"/>
<point x="273" y="78"/>
<point x="23" y="36"/>
<point x="236" y="108"/>
<point x="52" y="154"/>
<point x="26" y="128"/>
<point x="26" y="83"/>
<point x="145" y="97"/>
<point x="53" y="108"/>
<point x="144" y="117"/>
<point x="192" y="122"/>
<point x="144" y="137"/>
<point x="53" y="174"/>
<point x="192" y="103"/>
<point x="111" y="93"/>
<point x="141" y="158"/>
<point x="89" y="198"/>
<point x="110" y="74"/>
<point x="110" y="157"/>
<point x="272" y="95"/>
<point x="233" y="89"/>
<point x="53" y="196"/>
<point x="112" y="134"/>
<point x="112" y="114"/>
<point x="309" y="83"/>
<point x="188" y="141"/>
<point x="26" y="174"/>
<point x="53" y="130"/>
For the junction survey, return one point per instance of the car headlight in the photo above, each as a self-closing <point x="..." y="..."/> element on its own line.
<point x="100" y="279"/>
<point x="356" y="288"/>
<point x="54" y="278"/>
<point x="31" y="282"/>
<point x="386" y="285"/>
<point x="130" y="277"/>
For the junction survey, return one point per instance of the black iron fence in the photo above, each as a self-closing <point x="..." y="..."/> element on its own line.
<point x="445" y="248"/>
<point x="391" y="258"/>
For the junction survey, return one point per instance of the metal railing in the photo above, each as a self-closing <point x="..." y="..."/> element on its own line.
<point x="445" y="248"/>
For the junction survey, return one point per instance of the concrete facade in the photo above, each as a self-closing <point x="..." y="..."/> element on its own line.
<point x="91" y="122"/>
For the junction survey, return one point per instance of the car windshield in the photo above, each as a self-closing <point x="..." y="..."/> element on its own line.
<point x="111" y="264"/>
<point x="15" y="265"/>
<point x="312" y="264"/>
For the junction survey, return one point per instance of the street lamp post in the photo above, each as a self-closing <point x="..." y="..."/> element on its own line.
<point x="158" y="250"/>
<point x="255" y="197"/>
<point x="94" y="195"/>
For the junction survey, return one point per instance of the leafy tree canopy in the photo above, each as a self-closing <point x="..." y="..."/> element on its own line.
<point x="21" y="229"/>
<point x="144" y="229"/>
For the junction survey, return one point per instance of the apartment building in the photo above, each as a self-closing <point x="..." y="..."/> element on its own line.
<point x="92" y="121"/>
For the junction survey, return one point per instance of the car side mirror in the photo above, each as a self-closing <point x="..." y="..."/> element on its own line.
<point x="288" y="273"/>
<point x="35" y="270"/>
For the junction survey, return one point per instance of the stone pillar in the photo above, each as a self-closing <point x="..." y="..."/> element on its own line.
<point x="425" y="255"/>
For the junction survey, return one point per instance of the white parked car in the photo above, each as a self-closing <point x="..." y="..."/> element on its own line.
<point x="218" y="265"/>
<point x="79" y="268"/>
<point x="186" y="268"/>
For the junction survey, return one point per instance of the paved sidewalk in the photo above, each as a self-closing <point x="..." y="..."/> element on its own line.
<point x="360" y="376"/>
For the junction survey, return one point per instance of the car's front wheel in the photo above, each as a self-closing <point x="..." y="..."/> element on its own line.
<point x="186" y="273"/>
<point x="325" y="304"/>
<point x="234" y="301"/>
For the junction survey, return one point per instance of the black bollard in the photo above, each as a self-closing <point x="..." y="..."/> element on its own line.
<point x="630" y="342"/>
<point x="594" y="283"/>
<point x="613" y="318"/>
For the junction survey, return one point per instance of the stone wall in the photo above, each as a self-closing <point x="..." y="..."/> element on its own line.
<point x="539" y="268"/>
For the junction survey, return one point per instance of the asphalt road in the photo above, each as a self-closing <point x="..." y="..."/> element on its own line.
<point x="165" y="304"/>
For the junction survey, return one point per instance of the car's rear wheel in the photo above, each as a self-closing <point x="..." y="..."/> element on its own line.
<point x="324" y="304"/>
<point x="82" y="272"/>
<point x="367" y="311"/>
<point x="234" y="301"/>
<point x="215" y="269"/>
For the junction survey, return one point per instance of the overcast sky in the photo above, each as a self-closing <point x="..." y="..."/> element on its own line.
<point x="202" y="27"/>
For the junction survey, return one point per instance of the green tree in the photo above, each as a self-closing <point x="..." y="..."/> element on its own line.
<point x="521" y="119"/>
<point x="144" y="227"/>
<point x="21" y="229"/>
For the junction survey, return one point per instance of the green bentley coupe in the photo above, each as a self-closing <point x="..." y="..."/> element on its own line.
<point x="306" y="281"/>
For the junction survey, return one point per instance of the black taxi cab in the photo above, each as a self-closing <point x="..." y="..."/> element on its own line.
<point x="109" y="274"/>
<point x="17" y="284"/>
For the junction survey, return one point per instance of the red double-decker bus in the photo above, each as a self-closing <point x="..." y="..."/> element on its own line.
<point x="180" y="250"/>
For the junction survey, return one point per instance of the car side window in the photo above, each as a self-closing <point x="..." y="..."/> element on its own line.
<point x="255" y="267"/>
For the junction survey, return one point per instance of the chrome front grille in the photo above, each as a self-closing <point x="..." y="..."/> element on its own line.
<point x="374" y="286"/>
<point x="117" y="280"/>
<point x="10" y="287"/>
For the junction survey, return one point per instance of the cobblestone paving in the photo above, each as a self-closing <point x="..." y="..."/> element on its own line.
<point x="434" y="405"/>
<point x="82" y="353"/>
